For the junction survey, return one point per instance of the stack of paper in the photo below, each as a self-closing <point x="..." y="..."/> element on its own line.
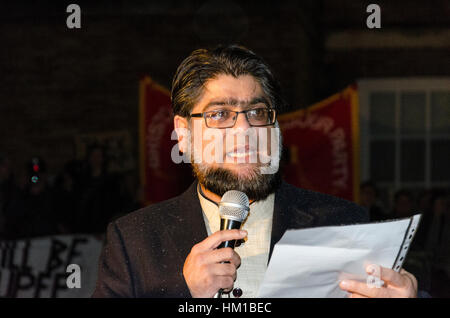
<point x="311" y="262"/>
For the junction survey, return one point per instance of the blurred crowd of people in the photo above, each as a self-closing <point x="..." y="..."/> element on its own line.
<point x="83" y="198"/>
<point x="429" y="254"/>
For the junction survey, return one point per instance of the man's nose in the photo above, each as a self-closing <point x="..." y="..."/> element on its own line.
<point x="241" y="122"/>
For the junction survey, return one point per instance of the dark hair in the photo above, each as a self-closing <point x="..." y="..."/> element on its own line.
<point x="403" y="193"/>
<point x="93" y="147"/>
<point x="436" y="194"/>
<point x="203" y="65"/>
<point x="369" y="184"/>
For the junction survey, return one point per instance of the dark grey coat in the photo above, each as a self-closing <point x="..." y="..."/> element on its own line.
<point x="144" y="251"/>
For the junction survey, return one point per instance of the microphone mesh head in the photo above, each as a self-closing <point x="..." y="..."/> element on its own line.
<point x="234" y="205"/>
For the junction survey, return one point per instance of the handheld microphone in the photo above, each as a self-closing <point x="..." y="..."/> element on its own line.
<point x="233" y="210"/>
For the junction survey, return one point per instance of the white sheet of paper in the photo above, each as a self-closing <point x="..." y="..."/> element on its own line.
<point x="311" y="262"/>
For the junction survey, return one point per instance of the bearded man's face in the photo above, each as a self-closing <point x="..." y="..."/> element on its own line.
<point x="234" y="151"/>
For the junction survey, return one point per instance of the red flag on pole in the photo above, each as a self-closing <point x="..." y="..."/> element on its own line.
<point x="160" y="177"/>
<point x="322" y="145"/>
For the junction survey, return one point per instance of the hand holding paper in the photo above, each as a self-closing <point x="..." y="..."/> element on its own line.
<point x="393" y="285"/>
<point x="312" y="262"/>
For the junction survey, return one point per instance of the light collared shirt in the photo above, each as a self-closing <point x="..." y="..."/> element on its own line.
<point x="254" y="252"/>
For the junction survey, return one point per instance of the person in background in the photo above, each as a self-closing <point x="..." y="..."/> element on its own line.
<point x="67" y="193"/>
<point x="424" y="200"/>
<point x="130" y="193"/>
<point x="424" y="207"/>
<point x="369" y="199"/>
<point x="33" y="215"/>
<point x="403" y="204"/>
<point x="438" y="243"/>
<point x="9" y="194"/>
<point x="99" y="195"/>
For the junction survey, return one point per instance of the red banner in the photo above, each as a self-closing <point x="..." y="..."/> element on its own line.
<point x="322" y="145"/>
<point x="161" y="178"/>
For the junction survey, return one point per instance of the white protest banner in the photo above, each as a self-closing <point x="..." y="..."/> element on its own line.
<point x="63" y="266"/>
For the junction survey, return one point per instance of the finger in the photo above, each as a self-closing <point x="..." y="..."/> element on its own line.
<point x="236" y="259"/>
<point x="224" y="255"/>
<point x="224" y="282"/>
<point x="223" y="270"/>
<point x="392" y="277"/>
<point x="214" y="240"/>
<point x="409" y="276"/>
<point x="363" y="289"/>
<point x="412" y="280"/>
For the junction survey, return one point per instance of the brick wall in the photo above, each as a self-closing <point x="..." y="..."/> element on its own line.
<point x="56" y="83"/>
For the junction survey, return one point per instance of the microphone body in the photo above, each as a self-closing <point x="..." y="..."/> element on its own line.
<point x="233" y="210"/>
<point x="229" y="224"/>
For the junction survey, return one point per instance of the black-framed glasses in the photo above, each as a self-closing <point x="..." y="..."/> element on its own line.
<point x="223" y="118"/>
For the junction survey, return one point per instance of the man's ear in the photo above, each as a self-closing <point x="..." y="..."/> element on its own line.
<point x="181" y="126"/>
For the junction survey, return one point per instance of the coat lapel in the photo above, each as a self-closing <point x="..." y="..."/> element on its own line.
<point x="279" y="221"/>
<point x="287" y="216"/>
<point x="185" y="228"/>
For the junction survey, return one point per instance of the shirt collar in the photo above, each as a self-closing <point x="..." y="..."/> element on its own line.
<point x="259" y="210"/>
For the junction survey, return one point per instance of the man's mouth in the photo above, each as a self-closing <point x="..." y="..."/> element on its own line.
<point x="241" y="152"/>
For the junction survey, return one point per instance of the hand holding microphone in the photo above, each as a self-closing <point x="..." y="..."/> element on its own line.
<point x="211" y="265"/>
<point x="233" y="210"/>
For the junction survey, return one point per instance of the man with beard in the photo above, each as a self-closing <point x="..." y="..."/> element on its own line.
<point x="169" y="249"/>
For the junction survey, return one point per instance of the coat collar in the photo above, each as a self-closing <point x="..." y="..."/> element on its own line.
<point x="194" y="229"/>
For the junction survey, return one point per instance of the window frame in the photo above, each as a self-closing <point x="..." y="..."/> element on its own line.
<point x="398" y="86"/>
